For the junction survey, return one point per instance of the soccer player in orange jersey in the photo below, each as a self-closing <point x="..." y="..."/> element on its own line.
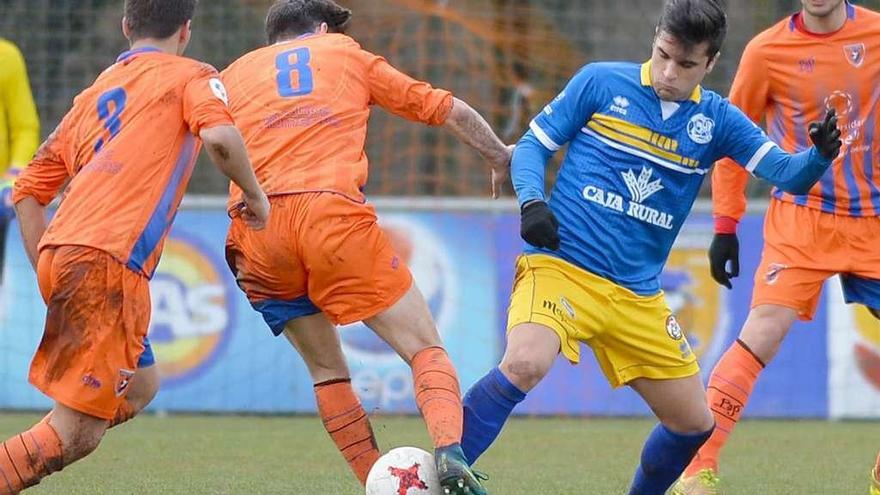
<point x="302" y="104"/>
<point x="823" y="57"/>
<point x="127" y="149"/>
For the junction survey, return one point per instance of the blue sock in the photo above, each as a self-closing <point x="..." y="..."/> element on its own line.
<point x="486" y="408"/>
<point x="664" y="458"/>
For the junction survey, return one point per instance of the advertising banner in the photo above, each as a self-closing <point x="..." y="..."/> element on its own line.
<point x="216" y="354"/>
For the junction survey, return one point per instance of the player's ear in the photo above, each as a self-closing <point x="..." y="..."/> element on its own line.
<point x="712" y="62"/>
<point x="125" y="31"/>
<point x="322" y="29"/>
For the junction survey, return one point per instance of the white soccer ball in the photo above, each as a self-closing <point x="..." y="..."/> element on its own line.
<point x="404" y="471"/>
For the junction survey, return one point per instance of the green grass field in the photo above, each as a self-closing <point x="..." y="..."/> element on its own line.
<point x="291" y="455"/>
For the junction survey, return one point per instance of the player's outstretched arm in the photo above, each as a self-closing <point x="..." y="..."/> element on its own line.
<point x="798" y="173"/>
<point x="472" y="129"/>
<point x="226" y="149"/>
<point x="538" y="225"/>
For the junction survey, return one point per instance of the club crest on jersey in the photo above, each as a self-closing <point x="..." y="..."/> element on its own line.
<point x="700" y="129"/>
<point x="673" y="329"/>
<point x="773" y="272"/>
<point x="123" y="381"/>
<point x="855" y="54"/>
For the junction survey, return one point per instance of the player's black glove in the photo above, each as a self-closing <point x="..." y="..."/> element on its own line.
<point x="539" y="226"/>
<point x="724" y="248"/>
<point x="826" y="136"/>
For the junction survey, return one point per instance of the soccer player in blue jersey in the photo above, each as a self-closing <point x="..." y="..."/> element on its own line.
<point x="641" y="140"/>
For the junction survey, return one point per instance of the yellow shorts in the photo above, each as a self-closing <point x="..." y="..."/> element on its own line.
<point x="632" y="336"/>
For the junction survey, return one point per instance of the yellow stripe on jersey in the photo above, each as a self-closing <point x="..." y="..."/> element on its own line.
<point x="639" y="144"/>
<point x="637" y="131"/>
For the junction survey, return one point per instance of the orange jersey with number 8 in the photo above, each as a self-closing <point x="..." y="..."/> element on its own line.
<point x="303" y="105"/>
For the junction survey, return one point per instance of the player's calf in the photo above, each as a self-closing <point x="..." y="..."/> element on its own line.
<point x="685" y="425"/>
<point x="531" y="351"/>
<point x="348" y="425"/>
<point x="48" y="447"/>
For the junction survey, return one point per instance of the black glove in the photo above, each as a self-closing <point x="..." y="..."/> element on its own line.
<point x="724" y="248"/>
<point x="826" y="136"/>
<point x="539" y="226"/>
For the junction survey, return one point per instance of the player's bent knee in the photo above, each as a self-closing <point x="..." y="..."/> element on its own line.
<point x="144" y="387"/>
<point x="765" y="330"/>
<point x="691" y="422"/>
<point x="523" y="372"/>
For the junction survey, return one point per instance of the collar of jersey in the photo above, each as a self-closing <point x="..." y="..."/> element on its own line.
<point x="137" y="51"/>
<point x="696" y="94"/>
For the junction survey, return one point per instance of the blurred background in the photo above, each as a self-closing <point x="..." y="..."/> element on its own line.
<point x="505" y="57"/>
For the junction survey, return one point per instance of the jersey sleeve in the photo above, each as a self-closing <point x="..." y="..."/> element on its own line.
<point x="405" y="96"/>
<point x="749" y="92"/>
<point x="15" y="92"/>
<point x="205" y="101"/>
<point x="563" y="117"/>
<point x="48" y="171"/>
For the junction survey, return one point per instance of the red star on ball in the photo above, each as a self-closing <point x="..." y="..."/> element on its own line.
<point x="409" y="478"/>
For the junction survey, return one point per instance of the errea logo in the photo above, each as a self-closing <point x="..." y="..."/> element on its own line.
<point x="619" y="104"/>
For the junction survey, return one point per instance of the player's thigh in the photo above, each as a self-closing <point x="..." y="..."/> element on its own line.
<point x="801" y="251"/>
<point x="680" y="403"/>
<point x="531" y="351"/>
<point x="267" y="266"/>
<point x="317" y="341"/>
<point x="407" y="326"/>
<point x="97" y="319"/>
<point x="144" y="386"/>
<point x="559" y="296"/>
<point x="766" y="327"/>
<point x="643" y="340"/>
<point x="355" y="273"/>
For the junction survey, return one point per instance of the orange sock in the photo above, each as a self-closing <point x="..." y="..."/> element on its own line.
<point x="438" y="395"/>
<point x="28" y="457"/>
<point x="348" y="425"/>
<point x="124" y="413"/>
<point x="729" y="388"/>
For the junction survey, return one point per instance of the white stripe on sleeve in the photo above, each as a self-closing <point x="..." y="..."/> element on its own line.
<point x="543" y="137"/>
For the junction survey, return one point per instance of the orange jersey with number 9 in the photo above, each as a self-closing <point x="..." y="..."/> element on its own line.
<point x="128" y="147"/>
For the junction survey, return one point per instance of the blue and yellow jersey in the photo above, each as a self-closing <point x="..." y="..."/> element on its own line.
<point x="635" y="165"/>
<point x="19" y="125"/>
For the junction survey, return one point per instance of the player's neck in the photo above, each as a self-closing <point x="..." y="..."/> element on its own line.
<point x="830" y="23"/>
<point x="168" y="45"/>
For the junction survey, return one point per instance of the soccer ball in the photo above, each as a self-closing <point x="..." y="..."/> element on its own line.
<point x="404" y="471"/>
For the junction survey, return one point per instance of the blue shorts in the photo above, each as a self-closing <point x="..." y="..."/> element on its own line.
<point x="147" y="358"/>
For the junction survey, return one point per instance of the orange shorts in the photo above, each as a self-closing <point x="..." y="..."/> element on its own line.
<point x="97" y="319"/>
<point x="320" y="252"/>
<point x="803" y="247"/>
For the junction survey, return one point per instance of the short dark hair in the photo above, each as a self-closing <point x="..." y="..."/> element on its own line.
<point x="291" y="18"/>
<point x="692" y="22"/>
<point x="157" y="18"/>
